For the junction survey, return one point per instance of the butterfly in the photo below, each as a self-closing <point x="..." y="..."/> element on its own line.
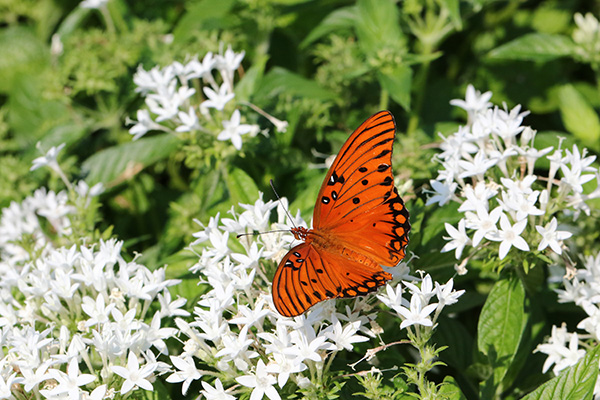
<point x="359" y="223"/>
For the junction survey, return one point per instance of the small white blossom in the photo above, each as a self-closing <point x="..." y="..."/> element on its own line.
<point x="551" y="237"/>
<point x="233" y="130"/>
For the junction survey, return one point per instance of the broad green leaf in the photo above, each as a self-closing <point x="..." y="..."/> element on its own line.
<point x="534" y="47"/>
<point x="21" y="52"/>
<point x="247" y="85"/>
<point x="280" y="80"/>
<point x="501" y="325"/>
<point x="116" y="164"/>
<point x="576" y="382"/>
<point x="31" y="114"/>
<point x="458" y="340"/>
<point x="201" y="15"/>
<point x="339" y="19"/>
<point x="242" y="188"/>
<point x="450" y="389"/>
<point x="68" y="134"/>
<point x="578" y="116"/>
<point x="398" y="83"/>
<point x="378" y="25"/>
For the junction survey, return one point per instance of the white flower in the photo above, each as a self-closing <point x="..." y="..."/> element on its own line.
<point x="233" y="130"/>
<point x="509" y="235"/>
<point x="6" y="385"/>
<point x="478" y="166"/>
<point x="166" y="102"/>
<point x="187" y="372"/>
<point x="189" y="121"/>
<point x="306" y="347"/>
<point x="393" y="297"/>
<point x="426" y="289"/>
<point x="216" y="393"/>
<point x="261" y="381"/>
<point x="551" y="237"/>
<point x="474" y="102"/>
<point x="134" y="375"/>
<point x="417" y="314"/>
<point x="445" y="293"/>
<point x="573" y="176"/>
<point x="204" y="68"/>
<point x="97" y="310"/>
<point x="93" y="3"/>
<point x="442" y="192"/>
<point x="483" y="222"/>
<point x="344" y="337"/>
<point x="217" y="100"/>
<point x="70" y="382"/>
<point x="558" y="352"/>
<point x="49" y="159"/>
<point x="230" y="60"/>
<point x="153" y="80"/>
<point x="459" y="238"/>
<point x="283" y="366"/>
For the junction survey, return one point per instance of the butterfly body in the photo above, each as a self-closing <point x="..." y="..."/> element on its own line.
<point x="360" y="223"/>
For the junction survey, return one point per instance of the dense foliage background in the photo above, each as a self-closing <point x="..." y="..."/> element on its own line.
<point x="67" y="76"/>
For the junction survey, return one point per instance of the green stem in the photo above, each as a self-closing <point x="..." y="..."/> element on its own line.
<point x="384" y="99"/>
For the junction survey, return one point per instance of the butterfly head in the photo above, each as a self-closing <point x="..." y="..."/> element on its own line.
<point x="300" y="232"/>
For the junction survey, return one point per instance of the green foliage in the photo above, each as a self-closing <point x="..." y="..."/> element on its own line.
<point x="577" y="382"/>
<point x="323" y="67"/>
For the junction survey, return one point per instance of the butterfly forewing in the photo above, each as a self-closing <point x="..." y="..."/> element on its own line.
<point x="307" y="276"/>
<point x="361" y="177"/>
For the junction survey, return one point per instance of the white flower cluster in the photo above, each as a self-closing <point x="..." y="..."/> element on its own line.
<point x="491" y="173"/>
<point x="565" y="349"/>
<point x="587" y="37"/>
<point x="22" y="222"/>
<point x="82" y="306"/>
<point x="236" y="330"/>
<point x="168" y="94"/>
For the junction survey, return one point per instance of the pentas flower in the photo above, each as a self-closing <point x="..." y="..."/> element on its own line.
<point x="174" y="106"/>
<point x="240" y="336"/>
<point x="489" y="168"/>
<point x="63" y="307"/>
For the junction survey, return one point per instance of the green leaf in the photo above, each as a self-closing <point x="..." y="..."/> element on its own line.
<point x="453" y="8"/>
<point x="242" y="188"/>
<point x="205" y="14"/>
<point x="576" y="382"/>
<point x="578" y="116"/>
<point x="21" y="52"/>
<point x="534" y="47"/>
<point x="245" y="88"/>
<point x="450" y="390"/>
<point x="398" y="83"/>
<point x="378" y="25"/>
<point x="72" y="21"/>
<point x="339" y="19"/>
<point x="501" y="326"/>
<point x="116" y="164"/>
<point x="280" y="80"/>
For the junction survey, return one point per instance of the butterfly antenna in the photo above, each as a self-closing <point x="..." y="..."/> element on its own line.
<point x="260" y="233"/>
<point x="279" y="199"/>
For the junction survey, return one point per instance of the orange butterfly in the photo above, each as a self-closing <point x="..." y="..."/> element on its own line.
<point x="359" y="223"/>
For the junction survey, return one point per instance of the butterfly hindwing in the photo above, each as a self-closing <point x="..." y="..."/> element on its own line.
<point x="361" y="177"/>
<point x="306" y="276"/>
